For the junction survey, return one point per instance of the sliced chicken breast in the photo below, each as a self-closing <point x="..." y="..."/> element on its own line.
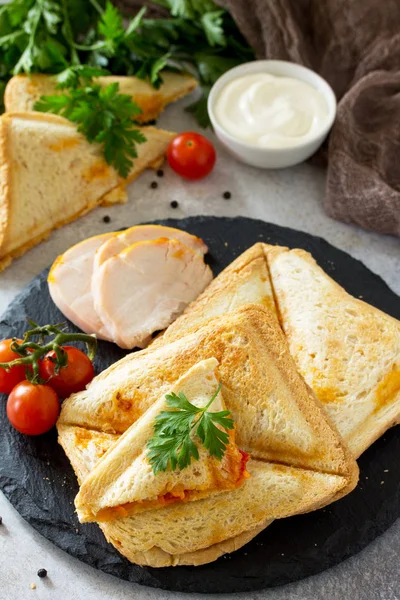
<point x="140" y="233"/>
<point x="70" y="285"/>
<point x="144" y="288"/>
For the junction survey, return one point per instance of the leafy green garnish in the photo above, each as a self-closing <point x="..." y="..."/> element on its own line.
<point x="172" y="444"/>
<point x="73" y="77"/>
<point x="54" y="36"/>
<point x="213" y="27"/>
<point x="102" y="115"/>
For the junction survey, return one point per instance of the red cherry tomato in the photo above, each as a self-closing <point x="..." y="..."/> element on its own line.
<point x="72" y="378"/>
<point x="32" y="409"/>
<point x="16" y="374"/>
<point x="191" y="155"/>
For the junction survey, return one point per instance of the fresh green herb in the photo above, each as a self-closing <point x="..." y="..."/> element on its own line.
<point x="102" y="115"/>
<point x="77" y="75"/>
<point x="51" y="36"/>
<point x="172" y="444"/>
<point x="35" y="345"/>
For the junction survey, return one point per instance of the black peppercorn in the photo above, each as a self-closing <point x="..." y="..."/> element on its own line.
<point x="174" y="204"/>
<point x="106" y="219"/>
<point x="154" y="185"/>
<point x="160" y="173"/>
<point x="227" y="195"/>
<point x="42" y="573"/>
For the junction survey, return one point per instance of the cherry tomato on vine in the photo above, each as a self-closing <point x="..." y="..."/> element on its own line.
<point x="32" y="409"/>
<point x="70" y="379"/>
<point x="9" y="379"/>
<point x="191" y="155"/>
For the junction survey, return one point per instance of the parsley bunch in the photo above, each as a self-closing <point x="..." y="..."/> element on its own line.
<point x="172" y="444"/>
<point x="102" y="114"/>
<point x="48" y="36"/>
<point x="79" y="39"/>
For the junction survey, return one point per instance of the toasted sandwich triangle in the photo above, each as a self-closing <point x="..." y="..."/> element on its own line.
<point x="50" y="175"/>
<point x="23" y="91"/>
<point x="347" y="351"/>
<point x="199" y="532"/>
<point x="277" y="416"/>
<point x="123" y="482"/>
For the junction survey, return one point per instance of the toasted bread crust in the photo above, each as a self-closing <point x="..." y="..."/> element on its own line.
<point x="263" y="343"/>
<point x="140" y="539"/>
<point x="157" y="557"/>
<point x="103" y="491"/>
<point x="22" y="91"/>
<point x="113" y="197"/>
<point x="5" y="181"/>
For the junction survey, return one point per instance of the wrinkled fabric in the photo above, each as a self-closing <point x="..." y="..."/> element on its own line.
<point x="355" y="46"/>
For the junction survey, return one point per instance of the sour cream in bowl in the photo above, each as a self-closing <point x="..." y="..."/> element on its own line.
<point x="271" y="114"/>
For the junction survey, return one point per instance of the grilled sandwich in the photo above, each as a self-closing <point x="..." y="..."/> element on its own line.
<point x="346" y="350"/>
<point x="123" y="482"/>
<point x="298" y="460"/>
<point x="23" y="91"/>
<point x="50" y="175"/>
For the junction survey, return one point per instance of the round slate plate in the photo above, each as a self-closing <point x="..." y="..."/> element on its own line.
<point x="37" y="478"/>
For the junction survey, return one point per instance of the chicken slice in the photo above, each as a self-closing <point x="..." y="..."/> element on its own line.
<point x="145" y="287"/>
<point x="140" y="233"/>
<point x="70" y="285"/>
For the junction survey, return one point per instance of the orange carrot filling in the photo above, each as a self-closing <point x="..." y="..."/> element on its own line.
<point x="177" y="495"/>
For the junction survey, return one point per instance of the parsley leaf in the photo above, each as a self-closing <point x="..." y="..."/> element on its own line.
<point x="172" y="444"/>
<point x="72" y="77"/>
<point x="212" y="25"/>
<point x="104" y="116"/>
<point x="171" y="451"/>
<point x="111" y="26"/>
<point x="214" y="438"/>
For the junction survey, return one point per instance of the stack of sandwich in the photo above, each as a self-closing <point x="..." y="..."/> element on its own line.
<point x="310" y="375"/>
<point x="50" y="174"/>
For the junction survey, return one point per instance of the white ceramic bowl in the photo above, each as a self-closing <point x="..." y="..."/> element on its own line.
<point x="273" y="158"/>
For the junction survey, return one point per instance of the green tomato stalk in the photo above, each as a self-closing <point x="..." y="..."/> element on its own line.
<point x="31" y="351"/>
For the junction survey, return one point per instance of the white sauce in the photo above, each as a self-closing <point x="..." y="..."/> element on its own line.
<point x="269" y="111"/>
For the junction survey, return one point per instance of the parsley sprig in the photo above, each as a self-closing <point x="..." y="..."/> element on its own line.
<point x="102" y="115"/>
<point x="172" y="444"/>
<point x="49" y="36"/>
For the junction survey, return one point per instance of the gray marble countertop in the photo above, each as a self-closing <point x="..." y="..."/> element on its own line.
<point x="293" y="198"/>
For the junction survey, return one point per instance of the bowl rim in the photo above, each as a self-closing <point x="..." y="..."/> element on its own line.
<point x="261" y="66"/>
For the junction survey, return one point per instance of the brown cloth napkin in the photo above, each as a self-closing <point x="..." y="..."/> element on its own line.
<point x="355" y="46"/>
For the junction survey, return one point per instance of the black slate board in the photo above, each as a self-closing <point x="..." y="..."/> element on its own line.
<point x="36" y="477"/>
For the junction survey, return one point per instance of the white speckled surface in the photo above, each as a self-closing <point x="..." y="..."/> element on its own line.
<point x="293" y="198"/>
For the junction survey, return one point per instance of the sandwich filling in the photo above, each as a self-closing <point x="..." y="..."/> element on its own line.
<point x="181" y="450"/>
<point x="230" y="474"/>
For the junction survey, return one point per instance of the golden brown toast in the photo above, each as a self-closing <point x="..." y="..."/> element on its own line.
<point x="23" y="91"/>
<point x="50" y="175"/>
<point x="123" y="482"/>
<point x="298" y="460"/>
<point x="347" y="350"/>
